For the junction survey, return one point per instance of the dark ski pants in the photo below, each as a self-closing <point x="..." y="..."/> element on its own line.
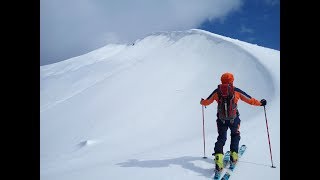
<point x="222" y="137"/>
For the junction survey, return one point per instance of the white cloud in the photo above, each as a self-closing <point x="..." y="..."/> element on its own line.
<point x="244" y="29"/>
<point x="70" y="28"/>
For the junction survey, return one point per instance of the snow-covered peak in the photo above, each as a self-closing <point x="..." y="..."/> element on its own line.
<point x="132" y="110"/>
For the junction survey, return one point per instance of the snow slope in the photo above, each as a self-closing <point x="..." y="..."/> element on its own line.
<point x="133" y="110"/>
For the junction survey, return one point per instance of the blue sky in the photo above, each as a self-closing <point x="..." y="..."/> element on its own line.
<point x="257" y="22"/>
<point x="75" y="27"/>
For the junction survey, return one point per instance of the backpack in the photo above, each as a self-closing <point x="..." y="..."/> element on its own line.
<point x="227" y="108"/>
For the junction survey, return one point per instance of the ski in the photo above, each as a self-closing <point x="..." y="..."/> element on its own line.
<point x="230" y="169"/>
<point x="226" y="159"/>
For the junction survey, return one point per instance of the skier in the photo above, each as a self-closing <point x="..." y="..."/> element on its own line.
<point x="228" y="116"/>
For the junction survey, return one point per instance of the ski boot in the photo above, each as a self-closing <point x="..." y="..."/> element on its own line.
<point x="219" y="161"/>
<point x="233" y="159"/>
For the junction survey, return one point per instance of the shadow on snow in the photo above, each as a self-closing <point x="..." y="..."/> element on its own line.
<point x="185" y="162"/>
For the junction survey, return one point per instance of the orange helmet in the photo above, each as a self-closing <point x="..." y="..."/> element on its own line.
<point x="227" y="78"/>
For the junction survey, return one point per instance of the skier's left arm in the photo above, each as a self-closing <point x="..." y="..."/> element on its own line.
<point x="213" y="96"/>
<point x="246" y="98"/>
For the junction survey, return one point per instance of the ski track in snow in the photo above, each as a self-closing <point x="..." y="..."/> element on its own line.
<point x="92" y="83"/>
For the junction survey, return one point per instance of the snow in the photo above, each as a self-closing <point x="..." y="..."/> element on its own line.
<point x="133" y="111"/>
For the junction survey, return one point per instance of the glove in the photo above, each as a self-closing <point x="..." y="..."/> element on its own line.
<point x="201" y="101"/>
<point x="263" y="102"/>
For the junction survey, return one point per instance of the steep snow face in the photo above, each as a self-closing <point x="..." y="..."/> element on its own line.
<point x="124" y="102"/>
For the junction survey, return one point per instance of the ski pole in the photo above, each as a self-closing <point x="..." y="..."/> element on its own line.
<point x="203" y="134"/>
<point x="265" y="114"/>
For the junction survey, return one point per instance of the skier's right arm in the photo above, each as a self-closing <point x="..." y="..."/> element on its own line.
<point x="213" y="96"/>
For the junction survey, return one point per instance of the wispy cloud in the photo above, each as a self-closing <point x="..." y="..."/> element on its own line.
<point x="244" y="29"/>
<point x="251" y="39"/>
<point x="272" y="2"/>
<point x="266" y="16"/>
<point x="70" y="28"/>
